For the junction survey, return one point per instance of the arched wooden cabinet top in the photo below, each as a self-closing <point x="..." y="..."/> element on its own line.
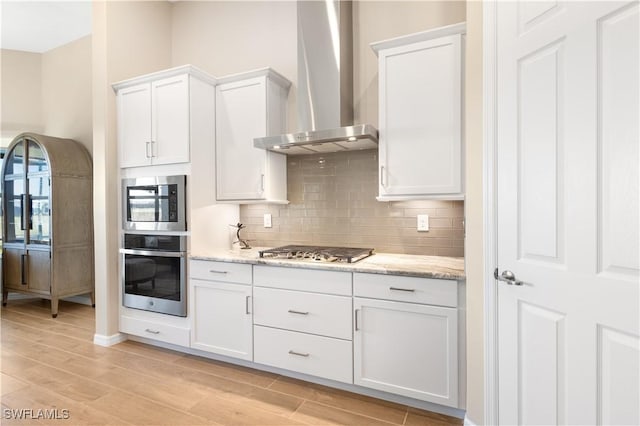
<point x="65" y="157"/>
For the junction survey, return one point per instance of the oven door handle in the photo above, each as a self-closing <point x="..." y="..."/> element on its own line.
<point x="154" y="253"/>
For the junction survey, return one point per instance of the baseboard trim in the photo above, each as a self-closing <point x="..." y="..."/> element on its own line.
<point x="114" y="339"/>
<point x="468" y="422"/>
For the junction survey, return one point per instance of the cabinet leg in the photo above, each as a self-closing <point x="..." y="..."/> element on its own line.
<point x="93" y="299"/>
<point x="54" y="307"/>
<point x="5" y="296"/>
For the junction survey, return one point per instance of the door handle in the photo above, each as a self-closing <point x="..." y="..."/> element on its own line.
<point x="23" y="216"/>
<point x="246" y="305"/>
<point x="356" y="319"/>
<point x="30" y="210"/>
<point x="507" y="277"/>
<point x="23" y="272"/>
<point x="152" y="145"/>
<point x="383" y="182"/>
<point x="146" y="150"/>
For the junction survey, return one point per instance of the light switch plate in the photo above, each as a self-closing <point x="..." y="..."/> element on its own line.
<point x="267" y="220"/>
<point x="423" y="222"/>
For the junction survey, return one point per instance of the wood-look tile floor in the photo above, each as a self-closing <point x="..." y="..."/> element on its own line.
<point x="51" y="364"/>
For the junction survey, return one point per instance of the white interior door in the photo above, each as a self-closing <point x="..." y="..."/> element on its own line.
<point x="568" y="184"/>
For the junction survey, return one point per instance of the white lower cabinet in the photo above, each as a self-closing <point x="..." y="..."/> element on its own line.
<point x="302" y="321"/>
<point x="221" y="314"/>
<point x="322" y="314"/>
<point x="391" y="333"/>
<point x="406" y="349"/>
<point x="305" y="353"/>
<point x="156" y="330"/>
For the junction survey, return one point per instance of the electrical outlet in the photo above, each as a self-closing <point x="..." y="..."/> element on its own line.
<point x="267" y="220"/>
<point x="423" y="222"/>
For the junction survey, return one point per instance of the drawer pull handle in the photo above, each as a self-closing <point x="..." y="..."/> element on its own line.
<point x="213" y="271"/>
<point x="410" y="290"/>
<point x="291" y="311"/>
<point x="148" y="330"/>
<point x="298" y="354"/>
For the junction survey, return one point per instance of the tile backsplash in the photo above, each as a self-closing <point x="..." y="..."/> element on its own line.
<point x="333" y="202"/>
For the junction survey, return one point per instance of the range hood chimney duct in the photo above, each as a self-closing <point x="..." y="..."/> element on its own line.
<point x="325" y="85"/>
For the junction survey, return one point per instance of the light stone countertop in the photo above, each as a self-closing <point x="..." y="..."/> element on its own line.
<point x="450" y="268"/>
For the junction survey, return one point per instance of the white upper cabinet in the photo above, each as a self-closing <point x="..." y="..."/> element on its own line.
<point x="248" y="106"/>
<point x="155" y="115"/>
<point x="420" y="113"/>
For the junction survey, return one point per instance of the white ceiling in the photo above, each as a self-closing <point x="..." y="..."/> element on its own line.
<point x="39" y="26"/>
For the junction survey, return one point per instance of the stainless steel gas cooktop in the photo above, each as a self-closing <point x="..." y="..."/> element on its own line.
<point x="318" y="253"/>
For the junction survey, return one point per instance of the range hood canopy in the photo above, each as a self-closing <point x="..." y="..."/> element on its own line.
<point x="325" y="85"/>
<point x="361" y="136"/>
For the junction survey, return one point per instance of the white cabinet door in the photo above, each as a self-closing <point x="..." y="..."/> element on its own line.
<point x="222" y="320"/>
<point x="407" y="349"/>
<point x="240" y="117"/>
<point x="420" y="119"/>
<point x="170" y="120"/>
<point x="134" y="125"/>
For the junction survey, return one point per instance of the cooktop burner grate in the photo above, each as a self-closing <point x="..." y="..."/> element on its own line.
<point x="317" y="253"/>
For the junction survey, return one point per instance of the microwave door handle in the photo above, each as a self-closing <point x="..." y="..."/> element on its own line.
<point x="153" y="253"/>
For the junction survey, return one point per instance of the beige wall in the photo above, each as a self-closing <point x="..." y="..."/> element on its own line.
<point x="474" y="214"/>
<point x="129" y="39"/>
<point x="66" y="92"/>
<point x="229" y="37"/>
<point x="48" y="93"/>
<point x="20" y="93"/>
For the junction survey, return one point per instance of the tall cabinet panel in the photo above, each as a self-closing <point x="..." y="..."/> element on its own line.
<point x="47" y="188"/>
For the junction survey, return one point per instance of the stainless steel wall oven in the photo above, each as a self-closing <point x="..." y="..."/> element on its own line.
<point x="155" y="203"/>
<point x="154" y="273"/>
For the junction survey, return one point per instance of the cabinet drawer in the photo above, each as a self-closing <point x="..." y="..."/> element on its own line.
<point x="406" y="289"/>
<point x="239" y="273"/>
<point x="304" y="353"/>
<point x="322" y="314"/>
<point x="153" y="330"/>
<point x="319" y="281"/>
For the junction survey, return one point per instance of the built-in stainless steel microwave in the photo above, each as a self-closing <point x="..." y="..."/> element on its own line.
<point x="155" y="203"/>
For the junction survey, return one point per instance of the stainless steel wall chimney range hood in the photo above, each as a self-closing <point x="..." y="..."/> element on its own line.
<point x="325" y="85"/>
